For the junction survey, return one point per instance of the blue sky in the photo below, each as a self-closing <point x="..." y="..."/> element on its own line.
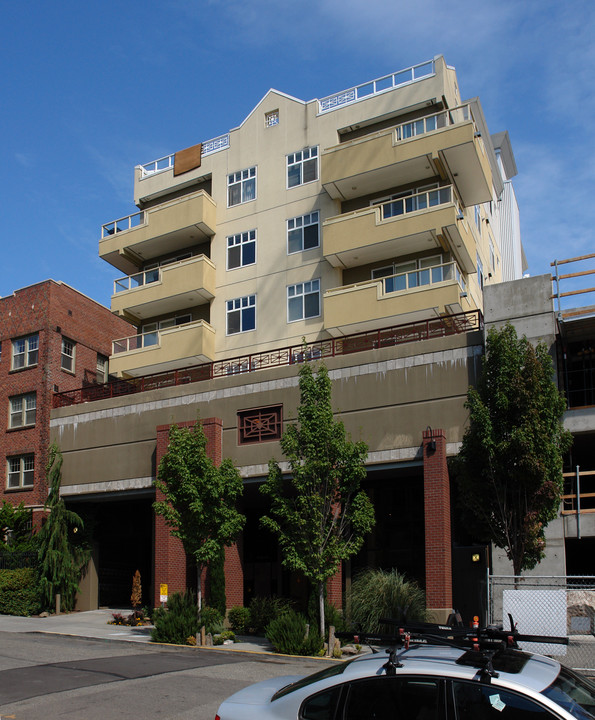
<point x="91" y="89"/>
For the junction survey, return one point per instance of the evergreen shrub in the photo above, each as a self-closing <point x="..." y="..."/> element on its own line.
<point x="239" y="619"/>
<point x="19" y="592"/>
<point x="265" y="609"/>
<point x="212" y="619"/>
<point x="178" y="622"/>
<point x="287" y="635"/>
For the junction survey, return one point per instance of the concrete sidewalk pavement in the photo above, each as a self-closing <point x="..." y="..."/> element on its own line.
<point x="95" y="624"/>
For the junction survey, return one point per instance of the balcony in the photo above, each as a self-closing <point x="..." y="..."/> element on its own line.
<point x="163" y="350"/>
<point x="403" y="298"/>
<point x="129" y="242"/>
<point x="405" y="226"/>
<point x="165" y="290"/>
<point x="446" y="144"/>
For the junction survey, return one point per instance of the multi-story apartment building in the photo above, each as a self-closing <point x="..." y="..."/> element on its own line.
<point x="53" y="339"/>
<point x="360" y="229"/>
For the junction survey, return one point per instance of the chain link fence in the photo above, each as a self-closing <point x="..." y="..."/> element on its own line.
<point x="553" y="605"/>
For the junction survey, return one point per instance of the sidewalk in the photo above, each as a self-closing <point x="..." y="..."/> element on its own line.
<point x="95" y="624"/>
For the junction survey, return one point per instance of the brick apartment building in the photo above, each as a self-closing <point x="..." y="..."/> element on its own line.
<point x="53" y="338"/>
<point x="365" y="225"/>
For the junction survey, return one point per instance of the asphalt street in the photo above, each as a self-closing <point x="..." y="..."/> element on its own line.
<point x="47" y="674"/>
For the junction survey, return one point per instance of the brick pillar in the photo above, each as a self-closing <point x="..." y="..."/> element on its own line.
<point x="334" y="588"/>
<point x="170" y="559"/>
<point x="437" y="525"/>
<point x="234" y="577"/>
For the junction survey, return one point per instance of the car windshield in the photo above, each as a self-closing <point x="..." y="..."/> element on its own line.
<point x="574" y="692"/>
<point x="310" y="679"/>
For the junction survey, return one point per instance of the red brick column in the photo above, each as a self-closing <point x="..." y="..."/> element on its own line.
<point x="437" y="524"/>
<point x="334" y="588"/>
<point x="234" y="577"/>
<point x="170" y="559"/>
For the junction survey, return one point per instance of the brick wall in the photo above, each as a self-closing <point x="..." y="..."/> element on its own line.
<point x="51" y="310"/>
<point x="170" y="559"/>
<point x="437" y="521"/>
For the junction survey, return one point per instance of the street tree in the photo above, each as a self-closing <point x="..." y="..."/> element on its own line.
<point x="62" y="555"/>
<point x="509" y="469"/>
<point x="199" y="504"/>
<point x="319" y="512"/>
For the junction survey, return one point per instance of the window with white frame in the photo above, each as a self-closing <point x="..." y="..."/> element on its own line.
<point x="241" y="249"/>
<point x="25" y="352"/>
<point x="492" y="256"/>
<point x="303" y="300"/>
<point x="271" y="118"/>
<point x="477" y="216"/>
<point x="102" y="369"/>
<point x="241" y="187"/>
<point x="303" y="233"/>
<point x="302" y="167"/>
<point x="479" y="273"/>
<point x="241" y="314"/>
<point x="67" y="355"/>
<point x="412" y="274"/>
<point x="20" y="471"/>
<point x="22" y="410"/>
<point x="150" y="331"/>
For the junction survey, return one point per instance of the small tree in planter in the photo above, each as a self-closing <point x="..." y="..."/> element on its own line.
<point x="137" y="593"/>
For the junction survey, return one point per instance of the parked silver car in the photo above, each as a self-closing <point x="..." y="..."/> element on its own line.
<point x="487" y="680"/>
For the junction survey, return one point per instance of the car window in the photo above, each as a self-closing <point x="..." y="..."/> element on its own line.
<point x="475" y="701"/>
<point x="311" y="679"/>
<point x="574" y="693"/>
<point x="321" y="706"/>
<point x="393" y="697"/>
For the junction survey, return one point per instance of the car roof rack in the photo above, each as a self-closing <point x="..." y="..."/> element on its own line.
<point x="481" y="644"/>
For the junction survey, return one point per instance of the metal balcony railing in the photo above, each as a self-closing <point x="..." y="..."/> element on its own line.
<point x="420" y="201"/>
<point x="129" y="282"/>
<point x="166" y="163"/>
<point x="376" y="87"/>
<point x="125" y="223"/>
<point x="421" y="277"/>
<point x="437" y="121"/>
<point x="349" y="344"/>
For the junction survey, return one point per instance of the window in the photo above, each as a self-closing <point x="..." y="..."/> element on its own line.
<point x="271" y="118"/>
<point x="475" y="700"/>
<point x="241" y="249"/>
<point x="241" y="314"/>
<point x="302" y="167"/>
<point x="400" y="697"/>
<point x="67" y="357"/>
<point x="412" y="274"/>
<point x="477" y="216"/>
<point x="20" y="471"/>
<point x="150" y="331"/>
<point x="492" y="256"/>
<point x="479" y="273"/>
<point x="241" y="187"/>
<point x="303" y="300"/>
<point x="25" y="352"/>
<point x="260" y="425"/>
<point x="420" y="198"/>
<point x="102" y="369"/>
<point x="303" y="233"/>
<point x="22" y="410"/>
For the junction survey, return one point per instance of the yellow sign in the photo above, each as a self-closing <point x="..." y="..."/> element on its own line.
<point x="163" y="592"/>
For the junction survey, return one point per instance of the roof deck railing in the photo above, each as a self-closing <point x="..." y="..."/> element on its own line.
<point x="372" y="340"/>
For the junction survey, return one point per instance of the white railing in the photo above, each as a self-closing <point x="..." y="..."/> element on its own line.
<point x="423" y="276"/>
<point x="125" y="223"/>
<point x="375" y="87"/>
<point x="130" y="282"/>
<point x="166" y="163"/>
<point x="419" y="201"/>
<point x="137" y="280"/>
<point x="438" y="120"/>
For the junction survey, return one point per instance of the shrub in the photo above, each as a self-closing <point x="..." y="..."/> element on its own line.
<point x="239" y="619"/>
<point x="265" y="609"/>
<point x="222" y="637"/>
<point x="19" y="592"/>
<point x="178" y="622"/>
<point x="332" y="616"/>
<point x="212" y="619"/>
<point x="287" y="635"/>
<point x="377" y="593"/>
